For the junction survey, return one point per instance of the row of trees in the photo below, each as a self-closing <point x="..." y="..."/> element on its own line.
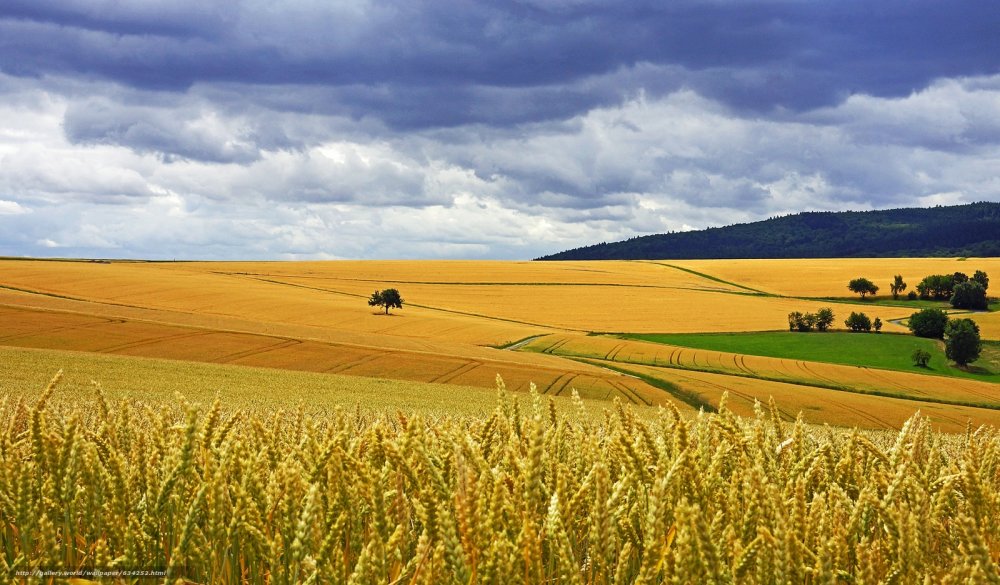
<point x="963" y="291"/>
<point x="961" y="336"/>
<point x="962" y="343"/>
<point x="823" y="318"/>
<point x="804" y="322"/>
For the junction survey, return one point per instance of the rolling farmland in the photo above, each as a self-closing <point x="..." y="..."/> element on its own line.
<point x="344" y="445"/>
<point x="312" y="317"/>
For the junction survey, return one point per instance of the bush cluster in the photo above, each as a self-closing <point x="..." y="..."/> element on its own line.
<point x="820" y="320"/>
<point x="861" y="323"/>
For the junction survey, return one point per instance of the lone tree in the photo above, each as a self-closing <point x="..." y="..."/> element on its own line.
<point x="928" y="323"/>
<point x="863" y="287"/>
<point x="962" y="343"/>
<point x="386" y="298"/>
<point x="897" y="286"/>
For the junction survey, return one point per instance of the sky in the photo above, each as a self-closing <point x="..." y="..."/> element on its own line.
<point x="325" y="129"/>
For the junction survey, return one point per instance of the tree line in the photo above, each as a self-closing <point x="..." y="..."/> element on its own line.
<point x="960" y="289"/>
<point x="963" y="344"/>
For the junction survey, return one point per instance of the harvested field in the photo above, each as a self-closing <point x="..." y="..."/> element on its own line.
<point x="250" y="389"/>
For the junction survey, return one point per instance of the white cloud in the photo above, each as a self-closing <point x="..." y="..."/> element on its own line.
<point x="312" y="186"/>
<point x="12" y="208"/>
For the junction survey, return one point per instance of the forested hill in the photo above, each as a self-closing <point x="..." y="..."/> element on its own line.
<point x="961" y="230"/>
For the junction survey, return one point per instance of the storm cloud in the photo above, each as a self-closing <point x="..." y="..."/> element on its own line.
<point x="247" y="129"/>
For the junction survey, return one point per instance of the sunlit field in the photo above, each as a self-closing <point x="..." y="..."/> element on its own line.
<point x="464" y="322"/>
<point x="513" y="422"/>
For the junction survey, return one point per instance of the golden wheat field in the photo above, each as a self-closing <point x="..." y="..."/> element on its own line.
<point x="260" y="423"/>
<point x="98" y="335"/>
<point x="313" y="317"/>
<point x="523" y="495"/>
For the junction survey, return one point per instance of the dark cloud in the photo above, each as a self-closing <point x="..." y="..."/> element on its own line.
<point x="255" y="128"/>
<point x="426" y="64"/>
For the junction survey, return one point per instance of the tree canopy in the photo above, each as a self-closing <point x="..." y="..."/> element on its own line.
<point x="969" y="295"/>
<point x="962" y="343"/>
<point x="897" y="286"/>
<point x="962" y="230"/>
<point x="928" y="323"/>
<point x="386" y="298"/>
<point x="862" y="286"/>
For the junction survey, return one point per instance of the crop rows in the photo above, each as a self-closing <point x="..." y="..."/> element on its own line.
<point x="867" y="380"/>
<point x="527" y="495"/>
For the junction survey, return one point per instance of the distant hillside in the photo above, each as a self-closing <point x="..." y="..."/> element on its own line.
<point x="961" y="230"/>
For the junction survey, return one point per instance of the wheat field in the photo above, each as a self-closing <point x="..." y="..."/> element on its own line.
<point x="313" y="316"/>
<point x="520" y="495"/>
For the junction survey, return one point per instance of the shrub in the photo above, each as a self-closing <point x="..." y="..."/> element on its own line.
<point x="928" y="323"/>
<point x="920" y="357"/>
<point x="858" y="322"/>
<point x="962" y="344"/>
<point x="877" y="325"/>
<point x="912" y="295"/>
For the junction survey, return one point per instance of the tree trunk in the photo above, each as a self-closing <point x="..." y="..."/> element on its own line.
<point x="387" y="309"/>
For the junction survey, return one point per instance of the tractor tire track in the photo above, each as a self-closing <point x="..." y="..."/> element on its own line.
<point x="456" y="372"/>
<point x="153" y="341"/>
<point x="257" y="351"/>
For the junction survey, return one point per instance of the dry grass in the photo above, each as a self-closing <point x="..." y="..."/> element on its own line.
<point x="522" y="495"/>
